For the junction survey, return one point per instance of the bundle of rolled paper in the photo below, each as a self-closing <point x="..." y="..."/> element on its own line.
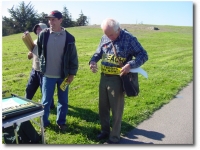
<point x="28" y="40"/>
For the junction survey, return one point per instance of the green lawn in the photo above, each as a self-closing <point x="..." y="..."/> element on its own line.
<point x="169" y="68"/>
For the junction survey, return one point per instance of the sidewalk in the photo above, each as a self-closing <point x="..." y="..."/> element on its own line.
<point x="172" y="124"/>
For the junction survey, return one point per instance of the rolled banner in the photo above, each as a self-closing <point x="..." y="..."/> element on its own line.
<point x="64" y="84"/>
<point x="28" y="40"/>
<point x="27" y="43"/>
<point x="116" y="70"/>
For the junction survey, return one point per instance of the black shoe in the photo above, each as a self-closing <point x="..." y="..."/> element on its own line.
<point x="111" y="142"/>
<point x="62" y="127"/>
<point x="102" y="135"/>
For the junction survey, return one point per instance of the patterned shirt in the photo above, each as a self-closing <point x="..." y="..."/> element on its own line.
<point x="128" y="49"/>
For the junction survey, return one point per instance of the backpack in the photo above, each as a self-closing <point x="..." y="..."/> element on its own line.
<point x="26" y="134"/>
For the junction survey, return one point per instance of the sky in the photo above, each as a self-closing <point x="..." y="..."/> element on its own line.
<point x="177" y="13"/>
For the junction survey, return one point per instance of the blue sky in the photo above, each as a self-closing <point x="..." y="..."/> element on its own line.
<point x="178" y="13"/>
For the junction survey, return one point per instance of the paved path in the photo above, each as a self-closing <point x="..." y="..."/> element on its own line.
<point x="172" y="124"/>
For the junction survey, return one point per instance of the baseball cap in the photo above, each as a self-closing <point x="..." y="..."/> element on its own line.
<point x="54" y="14"/>
<point x="42" y="26"/>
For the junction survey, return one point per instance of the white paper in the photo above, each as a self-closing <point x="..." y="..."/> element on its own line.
<point x="139" y="70"/>
<point x="9" y="103"/>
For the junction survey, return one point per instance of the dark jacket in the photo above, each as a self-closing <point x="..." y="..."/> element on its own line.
<point x="70" y="57"/>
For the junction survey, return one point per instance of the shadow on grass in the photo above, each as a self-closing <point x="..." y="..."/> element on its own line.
<point x="88" y="131"/>
<point x="84" y="114"/>
<point x="91" y="131"/>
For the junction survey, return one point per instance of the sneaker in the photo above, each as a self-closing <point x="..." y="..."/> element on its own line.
<point x="62" y="127"/>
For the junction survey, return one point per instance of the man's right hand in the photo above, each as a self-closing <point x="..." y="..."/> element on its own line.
<point x="93" y="66"/>
<point x="30" y="55"/>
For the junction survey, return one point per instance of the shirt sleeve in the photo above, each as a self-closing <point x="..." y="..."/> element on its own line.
<point x="138" y="52"/>
<point x="35" y="50"/>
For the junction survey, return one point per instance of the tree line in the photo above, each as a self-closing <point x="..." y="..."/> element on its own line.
<point x="24" y="17"/>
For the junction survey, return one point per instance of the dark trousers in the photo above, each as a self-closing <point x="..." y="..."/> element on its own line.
<point x="34" y="82"/>
<point x="111" y="98"/>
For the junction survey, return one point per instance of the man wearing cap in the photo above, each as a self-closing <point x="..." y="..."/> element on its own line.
<point x="35" y="79"/>
<point x="58" y="60"/>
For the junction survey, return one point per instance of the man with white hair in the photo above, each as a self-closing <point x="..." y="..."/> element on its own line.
<point x="111" y="93"/>
<point x="35" y="79"/>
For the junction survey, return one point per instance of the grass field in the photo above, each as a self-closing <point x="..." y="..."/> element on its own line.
<point x="170" y="68"/>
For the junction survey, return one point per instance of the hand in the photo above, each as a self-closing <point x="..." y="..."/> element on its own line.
<point x="125" y="70"/>
<point x="93" y="66"/>
<point x="70" y="79"/>
<point x="30" y="55"/>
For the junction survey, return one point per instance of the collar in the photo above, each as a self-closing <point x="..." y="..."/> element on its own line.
<point x="121" y="32"/>
<point x="61" y="32"/>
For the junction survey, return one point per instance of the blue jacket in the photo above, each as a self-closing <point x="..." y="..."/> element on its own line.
<point x="128" y="49"/>
<point x="70" y="57"/>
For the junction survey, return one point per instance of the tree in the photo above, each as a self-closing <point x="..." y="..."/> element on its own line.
<point x="41" y="18"/>
<point x="8" y="26"/>
<point x="24" y="16"/>
<point x="82" y="20"/>
<point x="67" y="21"/>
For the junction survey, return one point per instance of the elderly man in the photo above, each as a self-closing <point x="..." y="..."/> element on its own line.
<point x="111" y="94"/>
<point x="58" y="60"/>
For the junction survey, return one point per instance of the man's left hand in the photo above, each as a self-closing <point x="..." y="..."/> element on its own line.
<point x="125" y="69"/>
<point x="70" y="78"/>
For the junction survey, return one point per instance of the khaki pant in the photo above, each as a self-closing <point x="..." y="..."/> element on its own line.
<point x="111" y="97"/>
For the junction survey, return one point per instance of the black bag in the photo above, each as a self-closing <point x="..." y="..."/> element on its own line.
<point x="130" y="84"/>
<point x="26" y="134"/>
<point x="130" y="80"/>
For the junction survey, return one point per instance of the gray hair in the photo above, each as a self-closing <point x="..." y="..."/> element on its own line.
<point x="111" y="23"/>
<point x="42" y="26"/>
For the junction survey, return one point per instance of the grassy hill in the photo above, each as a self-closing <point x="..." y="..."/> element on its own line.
<point x="170" y="68"/>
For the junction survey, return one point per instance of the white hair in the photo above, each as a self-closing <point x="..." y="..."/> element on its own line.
<point x="111" y="23"/>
